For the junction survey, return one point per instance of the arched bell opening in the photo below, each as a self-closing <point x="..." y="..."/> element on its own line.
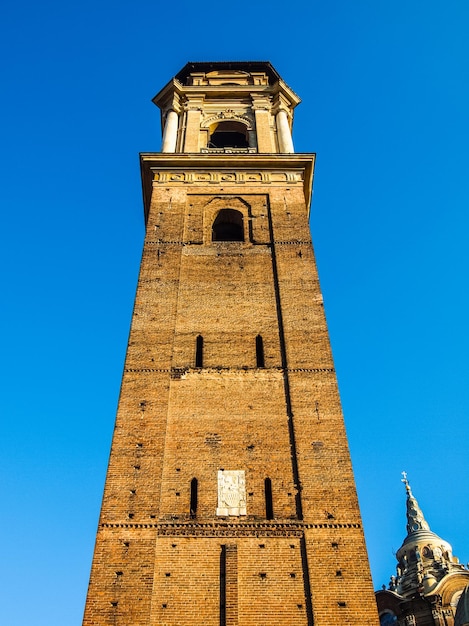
<point x="228" y="135"/>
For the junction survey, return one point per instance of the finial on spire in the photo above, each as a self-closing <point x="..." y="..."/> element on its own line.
<point x="406" y="483"/>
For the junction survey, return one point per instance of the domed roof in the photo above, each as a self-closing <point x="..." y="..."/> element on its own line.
<point x="424" y="558"/>
<point x="418" y="530"/>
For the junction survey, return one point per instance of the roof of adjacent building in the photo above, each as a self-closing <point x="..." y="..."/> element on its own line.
<point x="462" y="611"/>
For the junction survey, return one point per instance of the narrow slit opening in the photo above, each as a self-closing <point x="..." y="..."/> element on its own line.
<point x="223" y="586"/>
<point x="260" y="362"/>
<point x="269" y="506"/>
<point x="199" y="351"/>
<point x="193" y="506"/>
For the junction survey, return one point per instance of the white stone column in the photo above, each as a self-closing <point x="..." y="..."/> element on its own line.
<point x="170" y="132"/>
<point x="283" y="132"/>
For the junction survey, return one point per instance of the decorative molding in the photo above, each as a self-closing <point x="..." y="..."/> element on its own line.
<point x="177" y="528"/>
<point x="217" y="177"/>
<point x="228" y="150"/>
<point x="133" y="370"/>
<point x="193" y="102"/>
<point x="316" y="370"/>
<point x="256" y="530"/>
<point x="294" y="242"/>
<point x="261" y="102"/>
<point x="228" y="116"/>
<point x="181" y="372"/>
<point x="230" y="372"/>
<point x="157" y="242"/>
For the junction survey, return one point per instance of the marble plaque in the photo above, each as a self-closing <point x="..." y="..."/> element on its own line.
<point x="231" y="493"/>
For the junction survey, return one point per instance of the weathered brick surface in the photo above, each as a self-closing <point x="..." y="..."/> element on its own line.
<point x="154" y="563"/>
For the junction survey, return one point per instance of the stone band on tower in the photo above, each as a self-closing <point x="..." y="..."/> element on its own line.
<point x="229" y="498"/>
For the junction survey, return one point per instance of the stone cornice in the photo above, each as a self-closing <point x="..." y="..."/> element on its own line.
<point x="226" y="169"/>
<point x="168" y="176"/>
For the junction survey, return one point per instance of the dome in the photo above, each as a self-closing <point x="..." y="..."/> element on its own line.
<point x="424" y="558"/>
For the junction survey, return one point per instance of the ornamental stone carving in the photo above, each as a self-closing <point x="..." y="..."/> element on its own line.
<point x="229" y="115"/>
<point x="231" y="493"/>
<point x="227" y="177"/>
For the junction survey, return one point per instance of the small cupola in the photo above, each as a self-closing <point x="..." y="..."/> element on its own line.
<point x="424" y="558"/>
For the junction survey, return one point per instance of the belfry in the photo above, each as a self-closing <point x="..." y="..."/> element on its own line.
<point x="229" y="498"/>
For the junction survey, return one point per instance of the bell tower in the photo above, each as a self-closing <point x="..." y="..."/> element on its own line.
<point x="229" y="497"/>
<point x="241" y="106"/>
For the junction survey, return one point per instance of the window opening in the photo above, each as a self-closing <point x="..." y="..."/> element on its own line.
<point x="228" y="135"/>
<point x="199" y="351"/>
<point x="259" y="351"/>
<point x="193" y="508"/>
<point x="269" y="506"/>
<point x="228" y="226"/>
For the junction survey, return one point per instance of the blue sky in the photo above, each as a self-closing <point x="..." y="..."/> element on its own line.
<point x="385" y="107"/>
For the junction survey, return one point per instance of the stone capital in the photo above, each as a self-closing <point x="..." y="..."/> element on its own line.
<point x="194" y="102"/>
<point x="261" y="102"/>
<point x="172" y="105"/>
<point x="281" y="104"/>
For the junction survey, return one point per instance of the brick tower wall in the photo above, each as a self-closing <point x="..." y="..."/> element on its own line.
<point x="156" y="561"/>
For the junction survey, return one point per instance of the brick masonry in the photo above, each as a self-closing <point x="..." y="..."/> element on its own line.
<point x="156" y="562"/>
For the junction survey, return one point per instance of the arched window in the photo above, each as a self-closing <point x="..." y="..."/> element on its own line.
<point x="228" y="226"/>
<point x="269" y="505"/>
<point x="199" y="351"/>
<point x="387" y="618"/>
<point x="193" y="506"/>
<point x="259" y="352"/>
<point x="228" y="135"/>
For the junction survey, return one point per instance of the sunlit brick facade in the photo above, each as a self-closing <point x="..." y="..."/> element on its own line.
<point x="229" y="498"/>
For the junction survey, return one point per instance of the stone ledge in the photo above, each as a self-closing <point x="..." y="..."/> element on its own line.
<point x="183" y="371"/>
<point x="243" y="529"/>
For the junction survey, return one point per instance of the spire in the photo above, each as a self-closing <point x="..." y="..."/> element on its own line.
<point x="428" y="578"/>
<point x="415" y="518"/>
<point x="424" y="558"/>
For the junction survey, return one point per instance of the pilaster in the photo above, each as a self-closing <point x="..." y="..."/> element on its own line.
<point x="261" y="106"/>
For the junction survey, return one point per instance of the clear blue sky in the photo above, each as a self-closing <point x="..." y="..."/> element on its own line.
<point x="385" y="106"/>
